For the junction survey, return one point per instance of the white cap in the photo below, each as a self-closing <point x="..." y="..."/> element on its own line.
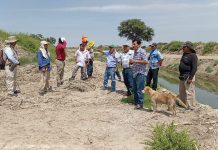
<point x="63" y="39"/>
<point x="126" y="44"/>
<point x="44" y="42"/>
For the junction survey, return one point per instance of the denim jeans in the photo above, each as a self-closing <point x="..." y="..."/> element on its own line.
<point x="152" y="74"/>
<point x="90" y="69"/>
<point x="110" y="72"/>
<point x="128" y="79"/>
<point x="138" y="87"/>
<point x="118" y="74"/>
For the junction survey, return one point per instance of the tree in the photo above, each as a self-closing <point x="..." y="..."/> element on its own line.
<point x="135" y="28"/>
<point x="52" y="40"/>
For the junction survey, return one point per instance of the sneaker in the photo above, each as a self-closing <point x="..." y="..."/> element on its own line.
<point x="128" y="94"/>
<point x="71" y="78"/>
<point x="17" y="91"/>
<point x="137" y="106"/>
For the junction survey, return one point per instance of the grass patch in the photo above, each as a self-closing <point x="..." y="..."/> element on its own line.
<point x="215" y="63"/>
<point x="166" y="137"/>
<point x="209" y="69"/>
<point x="208" y="48"/>
<point x="27" y="60"/>
<point x="130" y="100"/>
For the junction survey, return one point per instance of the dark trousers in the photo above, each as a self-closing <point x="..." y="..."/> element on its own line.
<point x="118" y="74"/>
<point x="128" y="79"/>
<point x="90" y="69"/>
<point x="152" y="74"/>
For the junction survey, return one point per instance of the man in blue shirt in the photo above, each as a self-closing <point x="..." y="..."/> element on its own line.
<point x="155" y="61"/>
<point x="138" y="62"/>
<point x="112" y="60"/>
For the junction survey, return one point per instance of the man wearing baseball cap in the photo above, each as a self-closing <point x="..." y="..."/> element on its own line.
<point x="187" y="70"/>
<point x="155" y="61"/>
<point x="127" y="68"/>
<point x="12" y="61"/>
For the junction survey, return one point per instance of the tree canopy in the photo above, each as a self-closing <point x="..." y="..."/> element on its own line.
<point x="135" y="28"/>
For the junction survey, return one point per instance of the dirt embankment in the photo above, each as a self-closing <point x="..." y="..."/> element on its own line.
<point x="79" y="115"/>
<point x="207" y="65"/>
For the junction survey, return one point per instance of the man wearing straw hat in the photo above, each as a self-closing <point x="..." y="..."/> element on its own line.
<point x="11" y="57"/>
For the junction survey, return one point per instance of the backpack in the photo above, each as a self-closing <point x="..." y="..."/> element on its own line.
<point x="2" y="61"/>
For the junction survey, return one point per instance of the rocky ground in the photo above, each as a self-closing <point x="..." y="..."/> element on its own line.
<point x="80" y="115"/>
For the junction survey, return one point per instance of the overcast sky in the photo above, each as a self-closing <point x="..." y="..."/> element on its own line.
<point x="98" y="19"/>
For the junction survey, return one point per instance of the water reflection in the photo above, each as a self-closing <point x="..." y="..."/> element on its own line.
<point x="206" y="91"/>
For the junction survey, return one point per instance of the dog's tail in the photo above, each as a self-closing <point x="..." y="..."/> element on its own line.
<point x="180" y="102"/>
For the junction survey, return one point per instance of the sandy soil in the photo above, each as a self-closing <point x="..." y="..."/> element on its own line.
<point x="79" y="115"/>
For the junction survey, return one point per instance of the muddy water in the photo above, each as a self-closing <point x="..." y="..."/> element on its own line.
<point x="206" y="90"/>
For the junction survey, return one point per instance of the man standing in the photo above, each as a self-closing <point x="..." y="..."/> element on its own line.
<point x="127" y="70"/>
<point x="44" y="64"/>
<point x="187" y="69"/>
<point x="111" y="64"/>
<point x="155" y="61"/>
<point x="11" y="57"/>
<point x="90" y="46"/>
<point x="60" y="60"/>
<point x="82" y="57"/>
<point x="138" y="62"/>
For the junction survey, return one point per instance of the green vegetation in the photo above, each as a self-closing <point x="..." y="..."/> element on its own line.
<point x="215" y="63"/>
<point x="209" y="69"/>
<point x="172" y="46"/>
<point x="135" y="28"/>
<point x="208" y="47"/>
<point x="166" y="137"/>
<point x="28" y="43"/>
<point x="130" y="100"/>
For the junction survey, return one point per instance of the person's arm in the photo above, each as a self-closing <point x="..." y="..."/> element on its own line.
<point x="39" y="58"/>
<point x="194" y="61"/>
<point x="143" y="60"/>
<point x="159" y="58"/>
<point x="10" y="55"/>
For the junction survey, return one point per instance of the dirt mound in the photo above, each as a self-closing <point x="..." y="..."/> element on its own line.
<point x="80" y="85"/>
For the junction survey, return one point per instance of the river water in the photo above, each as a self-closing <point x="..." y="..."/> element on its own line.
<point x="206" y="91"/>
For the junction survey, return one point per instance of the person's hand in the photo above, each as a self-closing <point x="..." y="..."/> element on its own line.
<point x="131" y="61"/>
<point x="63" y="39"/>
<point x="189" y="81"/>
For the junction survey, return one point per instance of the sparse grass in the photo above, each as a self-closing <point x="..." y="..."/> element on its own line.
<point x="209" y="69"/>
<point x="172" y="46"/>
<point x="167" y="137"/>
<point x="208" y="47"/>
<point x="28" y="43"/>
<point x="130" y="100"/>
<point x="27" y="60"/>
<point x="215" y="63"/>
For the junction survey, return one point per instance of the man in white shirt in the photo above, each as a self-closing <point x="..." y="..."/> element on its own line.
<point x="82" y="58"/>
<point x="127" y="70"/>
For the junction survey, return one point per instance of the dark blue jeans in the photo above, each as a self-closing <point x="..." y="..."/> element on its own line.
<point x="128" y="79"/>
<point x="110" y="72"/>
<point x="138" y="87"/>
<point x="152" y="74"/>
<point x="90" y="69"/>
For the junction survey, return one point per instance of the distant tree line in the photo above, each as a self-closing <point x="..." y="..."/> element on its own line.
<point x="51" y="40"/>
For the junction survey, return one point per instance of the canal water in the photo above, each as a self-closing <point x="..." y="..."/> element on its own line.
<point x="206" y="91"/>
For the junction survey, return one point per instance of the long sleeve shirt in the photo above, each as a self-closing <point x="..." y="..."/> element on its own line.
<point x="11" y="55"/>
<point x="188" y="64"/>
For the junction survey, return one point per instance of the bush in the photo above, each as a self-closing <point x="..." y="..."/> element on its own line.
<point x="209" y="69"/>
<point x="173" y="46"/>
<point x="166" y="137"/>
<point x="3" y="35"/>
<point x="208" y="47"/>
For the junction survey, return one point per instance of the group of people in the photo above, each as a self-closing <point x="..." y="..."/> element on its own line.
<point x="133" y="63"/>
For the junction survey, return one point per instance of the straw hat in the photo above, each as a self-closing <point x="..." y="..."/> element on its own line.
<point x="11" y="39"/>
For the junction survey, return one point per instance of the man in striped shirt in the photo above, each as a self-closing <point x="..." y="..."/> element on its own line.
<point x="138" y="62"/>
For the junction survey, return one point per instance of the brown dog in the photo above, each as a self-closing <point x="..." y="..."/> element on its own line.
<point x="163" y="98"/>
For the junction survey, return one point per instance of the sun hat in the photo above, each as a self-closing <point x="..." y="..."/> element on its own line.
<point x="44" y="42"/>
<point x="11" y="39"/>
<point x="188" y="44"/>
